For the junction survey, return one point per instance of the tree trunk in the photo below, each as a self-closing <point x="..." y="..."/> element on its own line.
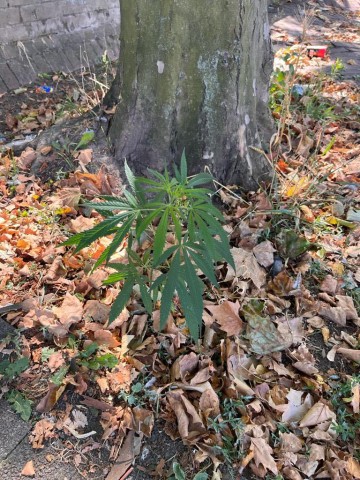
<point x="194" y="75"/>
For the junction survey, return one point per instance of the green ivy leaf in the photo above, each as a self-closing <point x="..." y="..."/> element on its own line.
<point x="14" y="369"/>
<point x="20" y="404"/>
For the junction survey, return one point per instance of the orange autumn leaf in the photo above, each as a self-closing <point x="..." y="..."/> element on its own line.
<point x="98" y="252"/>
<point x="283" y="166"/>
<point x="28" y="470"/>
<point x="23" y="244"/>
<point x="72" y="262"/>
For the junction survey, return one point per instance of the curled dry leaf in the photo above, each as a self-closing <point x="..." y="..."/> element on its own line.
<point x="50" y="399"/>
<point x="96" y="311"/>
<point x="350" y="354"/>
<point x="329" y="285"/>
<point x="43" y="429"/>
<point x="56" y="271"/>
<point x="347" y="304"/>
<point x="290" y="442"/>
<point x="106" y="338"/>
<point x="69" y="197"/>
<point x="190" y="425"/>
<point x="27" y="158"/>
<point x="305" y="361"/>
<point x="263" y="336"/>
<point x="143" y="420"/>
<point x="209" y="404"/>
<point x="56" y="359"/>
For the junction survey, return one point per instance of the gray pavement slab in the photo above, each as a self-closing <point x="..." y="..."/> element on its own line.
<point x="13" y="430"/>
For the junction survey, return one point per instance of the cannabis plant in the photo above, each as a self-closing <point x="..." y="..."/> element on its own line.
<point x="151" y="211"/>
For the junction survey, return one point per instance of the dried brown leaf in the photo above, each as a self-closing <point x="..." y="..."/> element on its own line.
<point x="353" y="467"/>
<point x="28" y="470"/>
<point x="264" y="253"/>
<point x="350" y="354"/>
<point x="246" y="267"/>
<point x="317" y="414"/>
<point x="70" y="312"/>
<point x="227" y="316"/>
<point x="43" y="429"/>
<point x="263" y="454"/>
<point x="335" y="314"/>
<point x="80" y="224"/>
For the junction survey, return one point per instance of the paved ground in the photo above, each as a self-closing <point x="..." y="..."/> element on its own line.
<point x="335" y="25"/>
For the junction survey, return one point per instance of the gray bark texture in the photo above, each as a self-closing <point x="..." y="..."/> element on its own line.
<point x="194" y="74"/>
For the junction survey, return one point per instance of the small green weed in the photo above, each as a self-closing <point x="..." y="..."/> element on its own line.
<point x="88" y="359"/>
<point x="20" y="404"/>
<point x="179" y="474"/>
<point x="231" y="429"/>
<point x="347" y="424"/>
<point x="337" y="68"/>
<point x="178" y="209"/>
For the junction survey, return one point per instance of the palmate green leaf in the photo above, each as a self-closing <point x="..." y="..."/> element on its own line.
<point x="122" y="299"/>
<point x="169" y="289"/>
<point x="177" y="225"/>
<point x="206" y="236"/>
<point x="209" y="209"/>
<point x="84" y="239"/>
<point x="130" y="177"/>
<point x="195" y="286"/>
<point x="116" y="242"/>
<point x="225" y="253"/>
<point x="109" y="205"/>
<point x="204" y="263"/>
<point x="183" y="167"/>
<point x="146" y="297"/>
<point x="142" y="225"/>
<point x="160" y="235"/>
<point x="192" y="320"/>
<point x="131" y="199"/>
<point x="200" y="179"/>
<point x="165" y="255"/>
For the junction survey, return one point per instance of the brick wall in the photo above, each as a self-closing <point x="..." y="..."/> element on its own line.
<point x="38" y="36"/>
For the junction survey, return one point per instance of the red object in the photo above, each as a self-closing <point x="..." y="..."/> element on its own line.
<point x="317" y="51"/>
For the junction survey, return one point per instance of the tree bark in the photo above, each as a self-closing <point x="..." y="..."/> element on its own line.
<point x="194" y="75"/>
